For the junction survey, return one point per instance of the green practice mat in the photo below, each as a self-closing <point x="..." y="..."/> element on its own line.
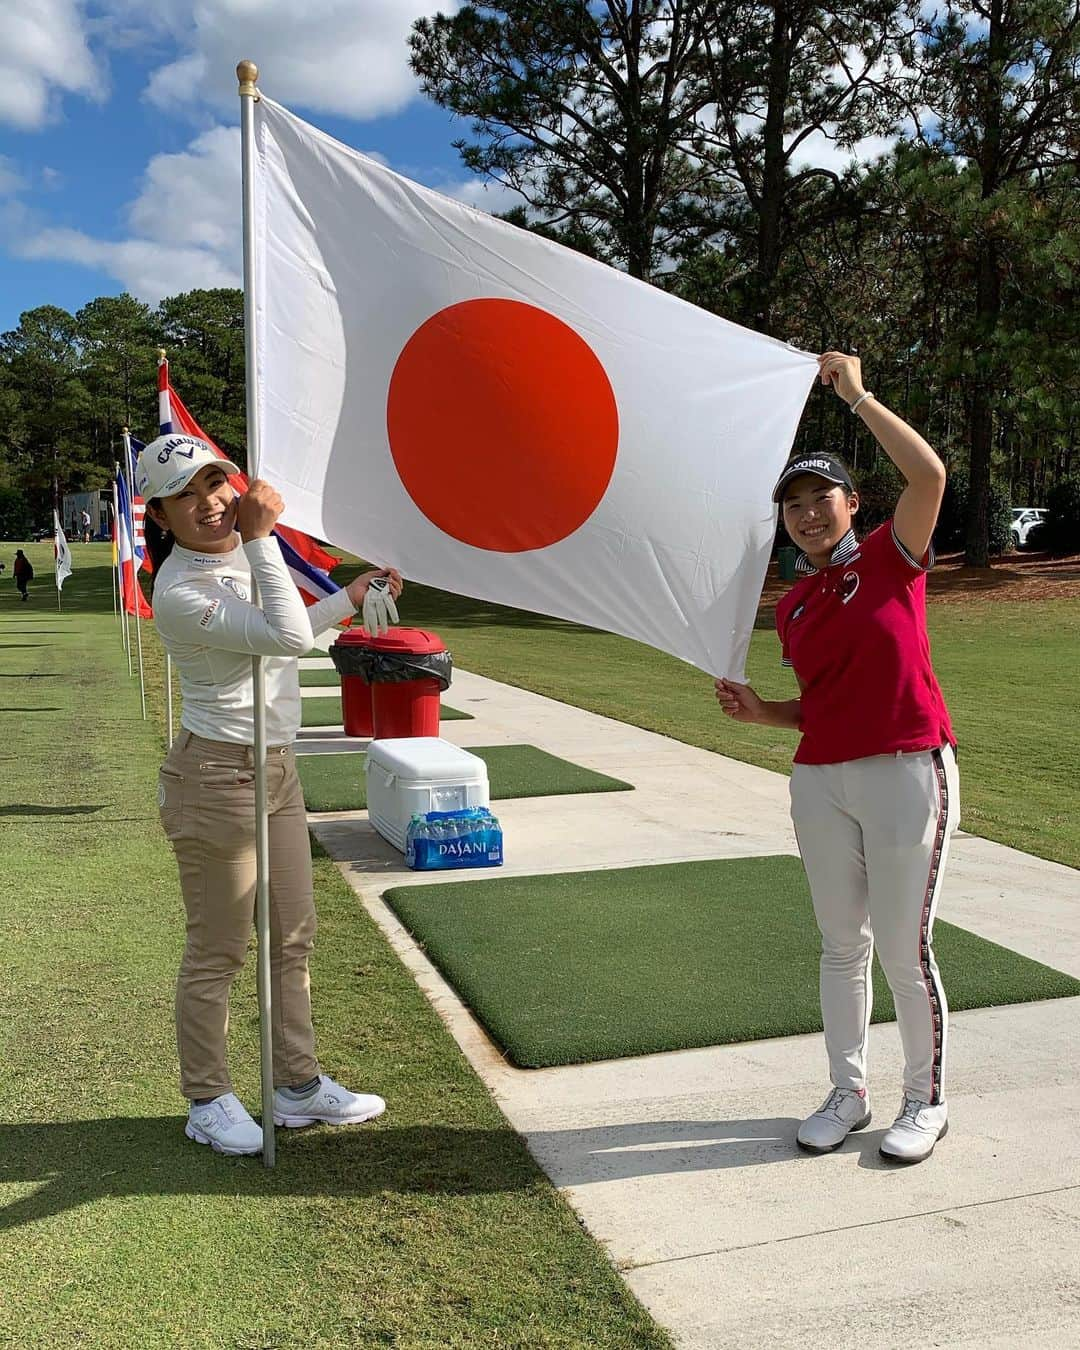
<point x="336" y="782"/>
<point x="326" y="712"/>
<point x="310" y="678"/>
<point x="584" y="966"/>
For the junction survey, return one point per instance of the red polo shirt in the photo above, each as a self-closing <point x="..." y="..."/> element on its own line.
<point x="855" y="633"/>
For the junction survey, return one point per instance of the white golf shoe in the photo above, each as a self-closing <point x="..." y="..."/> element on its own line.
<point x="329" y="1104"/>
<point x="225" y="1126"/>
<point x="843" y="1111"/>
<point x="915" y="1131"/>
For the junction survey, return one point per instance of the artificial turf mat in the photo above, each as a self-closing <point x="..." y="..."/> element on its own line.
<point x="584" y="966"/>
<point x="311" y="678"/>
<point x="326" y="712"/>
<point x="336" y="782"/>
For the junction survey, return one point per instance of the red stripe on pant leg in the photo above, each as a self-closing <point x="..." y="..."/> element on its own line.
<point x="933" y="994"/>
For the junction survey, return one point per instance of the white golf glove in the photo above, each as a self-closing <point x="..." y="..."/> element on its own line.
<point x="379" y="608"/>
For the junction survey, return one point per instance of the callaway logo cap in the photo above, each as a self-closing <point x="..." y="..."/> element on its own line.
<point x="167" y="465"/>
<point x="823" y="466"/>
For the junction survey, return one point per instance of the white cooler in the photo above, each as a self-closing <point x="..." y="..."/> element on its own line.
<point x="411" y="775"/>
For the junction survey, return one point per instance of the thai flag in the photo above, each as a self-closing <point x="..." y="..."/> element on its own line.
<point x="307" y="561"/>
<point x="131" y="591"/>
<point x="138" y="516"/>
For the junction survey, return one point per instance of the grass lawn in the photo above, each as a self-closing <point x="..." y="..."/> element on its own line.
<point x="1009" y="672"/>
<point x="430" y="1228"/>
<point x="581" y="966"/>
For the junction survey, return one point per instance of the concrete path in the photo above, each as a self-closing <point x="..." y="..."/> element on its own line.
<point x="684" y="1164"/>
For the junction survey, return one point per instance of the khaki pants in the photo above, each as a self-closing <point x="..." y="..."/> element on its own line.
<point x="206" y="793"/>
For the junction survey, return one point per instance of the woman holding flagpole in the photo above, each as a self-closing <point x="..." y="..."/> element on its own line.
<point x="209" y="549"/>
<point x="874" y="791"/>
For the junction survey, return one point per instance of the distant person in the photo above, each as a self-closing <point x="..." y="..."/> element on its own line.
<point x="875" y="796"/>
<point x="87" y="527"/>
<point x="208" y="546"/>
<point x="24" y="573"/>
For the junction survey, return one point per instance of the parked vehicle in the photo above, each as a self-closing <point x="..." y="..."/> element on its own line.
<point x="1024" y="520"/>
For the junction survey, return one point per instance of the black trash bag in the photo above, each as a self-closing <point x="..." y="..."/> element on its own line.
<point x="392" y="667"/>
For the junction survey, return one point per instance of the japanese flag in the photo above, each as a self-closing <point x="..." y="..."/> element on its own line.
<point x="501" y="417"/>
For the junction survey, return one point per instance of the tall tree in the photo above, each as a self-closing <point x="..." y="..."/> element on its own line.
<point x="791" y="80"/>
<point x="44" y="364"/>
<point x="203" y="333"/>
<point x="119" y="338"/>
<point x="646" y="130"/>
<point x="590" y="111"/>
<point x="1000" y="96"/>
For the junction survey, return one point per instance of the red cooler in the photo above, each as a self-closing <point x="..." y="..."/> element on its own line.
<point x="395" y="693"/>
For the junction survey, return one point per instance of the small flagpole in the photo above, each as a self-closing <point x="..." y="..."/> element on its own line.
<point x="120" y="571"/>
<point x="247" y="72"/>
<point x="137" y="590"/>
<point x="168" y="696"/>
<point x="115" y="609"/>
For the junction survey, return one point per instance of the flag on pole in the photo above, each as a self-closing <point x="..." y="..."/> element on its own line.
<point x="502" y="417"/>
<point x="308" y="562"/>
<point x="130" y="590"/>
<point x="138" y="516"/>
<point x="63" y="553"/>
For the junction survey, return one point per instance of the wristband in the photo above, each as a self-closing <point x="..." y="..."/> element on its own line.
<point x="860" y="400"/>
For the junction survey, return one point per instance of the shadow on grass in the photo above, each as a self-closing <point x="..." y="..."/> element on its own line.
<point x="11" y="708"/>
<point x="83" y="1161"/>
<point x="31" y="675"/>
<point x="27" y="809"/>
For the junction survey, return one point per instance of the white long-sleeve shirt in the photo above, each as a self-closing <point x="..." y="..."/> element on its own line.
<point x="210" y="628"/>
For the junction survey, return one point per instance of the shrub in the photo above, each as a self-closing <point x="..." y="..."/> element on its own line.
<point x="951" y="529"/>
<point x="1062" y="529"/>
<point x="15" y="521"/>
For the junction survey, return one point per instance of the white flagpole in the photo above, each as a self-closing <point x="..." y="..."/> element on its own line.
<point x="168" y="695"/>
<point x="247" y="73"/>
<point x="134" y="566"/>
<point x="120" y="569"/>
<point x="115" y="606"/>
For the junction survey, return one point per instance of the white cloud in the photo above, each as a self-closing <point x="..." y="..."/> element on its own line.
<point x="146" y="268"/>
<point x="185" y="225"/>
<point x="821" y="151"/>
<point x="334" y="56"/>
<point x="43" y="53"/>
<point x="482" y="193"/>
<point x="11" y="180"/>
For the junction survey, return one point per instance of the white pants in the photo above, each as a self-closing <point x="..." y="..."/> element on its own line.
<point x="874" y="837"/>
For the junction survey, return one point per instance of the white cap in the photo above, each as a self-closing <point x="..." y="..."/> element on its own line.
<point x="167" y="465"/>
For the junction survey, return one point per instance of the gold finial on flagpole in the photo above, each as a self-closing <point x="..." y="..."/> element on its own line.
<point x="247" y="72"/>
<point x="161" y="353"/>
<point x="125" y="431"/>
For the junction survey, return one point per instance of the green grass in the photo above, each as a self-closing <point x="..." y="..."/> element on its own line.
<point x="1009" y="672"/>
<point x="585" y="966"/>
<point x="337" y="782"/>
<point x="326" y="712"/>
<point x="430" y="1228"/>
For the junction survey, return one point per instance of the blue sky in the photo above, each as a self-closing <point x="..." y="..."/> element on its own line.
<point x="119" y="141"/>
<point x="119" y="155"/>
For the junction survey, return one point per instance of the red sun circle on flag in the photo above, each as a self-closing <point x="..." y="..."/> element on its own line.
<point x="502" y="424"/>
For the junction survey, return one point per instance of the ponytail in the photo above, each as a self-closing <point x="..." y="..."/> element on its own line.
<point x="159" y="542"/>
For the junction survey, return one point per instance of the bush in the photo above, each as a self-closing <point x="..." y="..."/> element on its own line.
<point x="1062" y="529"/>
<point x="15" y="521"/>
<point x="951" y="529"/>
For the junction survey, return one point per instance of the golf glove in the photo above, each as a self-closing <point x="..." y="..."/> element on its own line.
<point x="379" y="608"/>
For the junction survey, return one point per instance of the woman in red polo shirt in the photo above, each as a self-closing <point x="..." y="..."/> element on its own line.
<point x="874" y="790"/>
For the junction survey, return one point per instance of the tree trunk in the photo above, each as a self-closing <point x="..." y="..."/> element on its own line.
<point x="987" y="305"/>
<point x="770" y="215"/>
